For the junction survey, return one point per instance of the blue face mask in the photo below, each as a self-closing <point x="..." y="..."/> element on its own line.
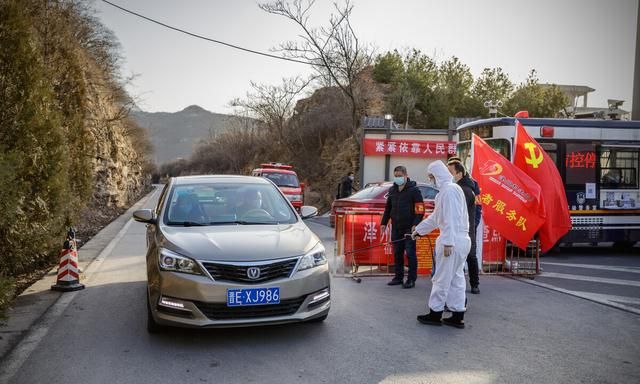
<point x="398" y="180"/>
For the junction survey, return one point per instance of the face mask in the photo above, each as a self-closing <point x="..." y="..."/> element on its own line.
<point x="398" y="180"/>
<point x="351" y="178"/>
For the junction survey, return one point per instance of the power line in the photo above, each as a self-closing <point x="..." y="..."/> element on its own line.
<point x="206" y="38"/>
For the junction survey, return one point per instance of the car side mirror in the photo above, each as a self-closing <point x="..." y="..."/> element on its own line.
<point x="307" y="212"/>
<point x="144" y="216"/>
<point x="301" y="185"/>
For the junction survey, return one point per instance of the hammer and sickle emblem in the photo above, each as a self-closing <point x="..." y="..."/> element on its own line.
<point x="534" y="160"/>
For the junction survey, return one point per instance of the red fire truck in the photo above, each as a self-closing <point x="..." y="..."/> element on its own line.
<point x="285" y="178"/>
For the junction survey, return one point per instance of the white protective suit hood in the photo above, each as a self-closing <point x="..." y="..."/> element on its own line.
<point x="440" y="172"/>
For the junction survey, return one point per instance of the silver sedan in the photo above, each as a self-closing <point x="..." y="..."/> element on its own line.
<point x="226" y="251"/>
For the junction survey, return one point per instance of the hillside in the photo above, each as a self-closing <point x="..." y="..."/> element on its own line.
<point x="69" y="155"/>
<point x="174" y="135"/>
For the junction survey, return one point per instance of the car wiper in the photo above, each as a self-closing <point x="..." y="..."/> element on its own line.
<point x="239" y="222"/>
<point x="187" y="223"/>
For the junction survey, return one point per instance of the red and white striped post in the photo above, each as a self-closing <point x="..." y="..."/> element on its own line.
<point x="68" y="271"/>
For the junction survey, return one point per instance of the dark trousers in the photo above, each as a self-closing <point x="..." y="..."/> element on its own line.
<point x="472" y="266"/>
<point x="399" y="248"/>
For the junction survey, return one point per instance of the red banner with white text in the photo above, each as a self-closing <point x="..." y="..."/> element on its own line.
<point x="409" y="148"/>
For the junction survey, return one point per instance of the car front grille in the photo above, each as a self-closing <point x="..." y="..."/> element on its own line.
<point x="238" y="273"/>
<point x="220" y="311"/>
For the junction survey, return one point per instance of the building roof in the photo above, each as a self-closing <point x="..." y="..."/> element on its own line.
<point x="557" y="123"/>
<point x="575" y="90"/>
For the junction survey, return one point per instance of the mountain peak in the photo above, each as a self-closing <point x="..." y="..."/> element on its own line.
<point x="194" y="109"/>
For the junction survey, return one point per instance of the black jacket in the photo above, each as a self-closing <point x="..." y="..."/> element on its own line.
<point x="345" y="187"/>
<point x="470" y="197"/>
<point x="476" y="190"/>
<point x="400" y="207"/>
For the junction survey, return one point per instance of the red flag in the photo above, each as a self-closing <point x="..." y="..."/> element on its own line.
<point x="535" y="162"/>
<point x="510" y="199"/>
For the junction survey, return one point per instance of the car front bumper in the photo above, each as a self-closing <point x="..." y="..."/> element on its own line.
<point x="184" y="300"/>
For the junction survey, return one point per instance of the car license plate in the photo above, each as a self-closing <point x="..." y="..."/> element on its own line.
<point x="252" y="296"/>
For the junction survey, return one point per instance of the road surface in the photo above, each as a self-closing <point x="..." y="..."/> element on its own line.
<point x="516" y="333"/>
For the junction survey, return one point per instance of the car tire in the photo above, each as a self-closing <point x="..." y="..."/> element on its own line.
<point x="152" y="326"/>
<point x="319" y="319"/>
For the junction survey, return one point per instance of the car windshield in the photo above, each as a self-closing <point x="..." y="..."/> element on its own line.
<point x="282" y="179"/>
<point x="376" y="191"/>
<point x="428" y="193"/>
<point x="227" y="204"/>
<point x="370" y="193"/>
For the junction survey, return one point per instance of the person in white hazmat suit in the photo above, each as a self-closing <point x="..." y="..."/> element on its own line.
<point x="452" y="247"/>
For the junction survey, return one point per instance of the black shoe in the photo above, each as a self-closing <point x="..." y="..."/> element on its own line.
<point x="475" y="290"/>
<point x="431" y="318"/>
<point x="409" y="284"/>
<point x="395" y="281"/>
<point x="456" y="320"/>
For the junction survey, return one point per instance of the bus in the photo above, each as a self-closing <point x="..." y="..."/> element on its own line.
<point x="598" y="161"/>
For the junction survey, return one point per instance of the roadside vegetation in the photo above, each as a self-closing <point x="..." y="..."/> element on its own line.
<point x="63" y="116"/>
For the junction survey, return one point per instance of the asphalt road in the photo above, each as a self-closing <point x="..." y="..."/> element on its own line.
<point x="516" y="332"/>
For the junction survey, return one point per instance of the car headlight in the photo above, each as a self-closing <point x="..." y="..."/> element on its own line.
<point x="313" y="258"/>
<point x="294" y="197"/>
<point x="171" y="261"/>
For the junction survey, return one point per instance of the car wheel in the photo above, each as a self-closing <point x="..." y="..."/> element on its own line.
<point x="152" y="325"/>
<point x="319" y="319"/>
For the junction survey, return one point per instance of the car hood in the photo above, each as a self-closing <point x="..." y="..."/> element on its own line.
<point x="240" y="242"/>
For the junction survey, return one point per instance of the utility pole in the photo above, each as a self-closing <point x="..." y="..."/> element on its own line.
<point x="635" y="112"/>
<point x="388" y="120"/>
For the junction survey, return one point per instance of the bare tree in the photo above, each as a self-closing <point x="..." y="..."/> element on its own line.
<point x="334" y="50"/>
<point x="273" y="104"/>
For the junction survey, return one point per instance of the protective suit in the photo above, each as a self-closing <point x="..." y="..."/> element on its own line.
<point x="451" y="217"/>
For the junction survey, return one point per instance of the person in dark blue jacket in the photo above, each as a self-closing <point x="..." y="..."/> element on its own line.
<point x="471" y="191"/>
<point x="402" y="201"/>
<point x="476" y="190"/>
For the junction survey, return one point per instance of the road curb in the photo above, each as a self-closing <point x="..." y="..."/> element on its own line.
<point x="581" y="295"/>
<point x="31" y="306"/>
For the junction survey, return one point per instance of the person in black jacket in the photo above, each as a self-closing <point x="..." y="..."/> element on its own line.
<point x="401" y="209"/>
<point x="476" y="190"/>
<point x="346" y="186"/>
<point x="466" y="183"/>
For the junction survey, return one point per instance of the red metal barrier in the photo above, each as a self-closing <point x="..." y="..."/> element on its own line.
<point x="362" y="244"/>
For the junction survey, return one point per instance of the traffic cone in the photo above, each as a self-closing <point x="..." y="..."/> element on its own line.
<point x="68" y="271"/>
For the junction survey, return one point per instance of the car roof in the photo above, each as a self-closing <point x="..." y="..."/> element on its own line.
<point x="214" y="179"/>
<point x="275" y="170"/>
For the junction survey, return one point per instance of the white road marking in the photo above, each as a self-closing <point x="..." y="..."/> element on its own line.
<point x="596" y="266"/>
<point x="629" y="283"/>
<point x="609" y="300"/>
<point x="21" y="352"/>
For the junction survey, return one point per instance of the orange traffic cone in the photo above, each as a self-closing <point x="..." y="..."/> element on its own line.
<point x="68" y="274"/>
